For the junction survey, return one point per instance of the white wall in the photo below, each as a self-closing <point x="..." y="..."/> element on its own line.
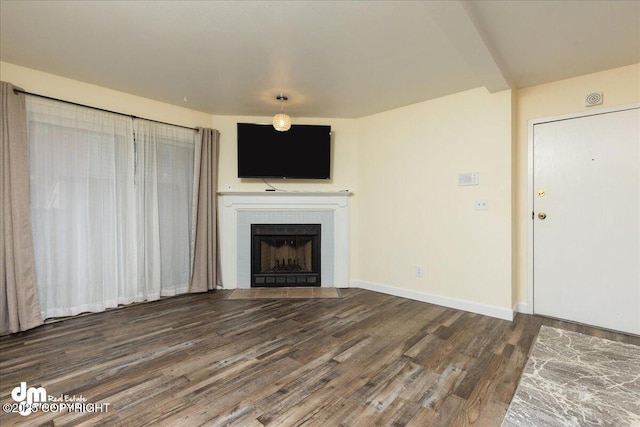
<point x="412" y="213"/>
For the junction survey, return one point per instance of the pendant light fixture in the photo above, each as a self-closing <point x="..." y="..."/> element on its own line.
<point x="281" y="121"/>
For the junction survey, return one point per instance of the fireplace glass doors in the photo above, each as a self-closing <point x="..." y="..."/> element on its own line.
<point x="285" y="255"/>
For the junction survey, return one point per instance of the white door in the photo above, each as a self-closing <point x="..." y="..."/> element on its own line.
<point x="586" y="250"/>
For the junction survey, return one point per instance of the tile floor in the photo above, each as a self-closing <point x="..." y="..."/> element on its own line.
<point x="572" y="379"/>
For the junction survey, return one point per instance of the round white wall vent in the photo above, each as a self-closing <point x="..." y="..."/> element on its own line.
<point x="592" y="99"/>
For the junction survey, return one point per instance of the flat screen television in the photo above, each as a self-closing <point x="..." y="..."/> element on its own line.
<point x="302" y="152"/>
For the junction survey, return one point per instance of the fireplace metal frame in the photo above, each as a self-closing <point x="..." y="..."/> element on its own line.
<point x="285" y="279"/>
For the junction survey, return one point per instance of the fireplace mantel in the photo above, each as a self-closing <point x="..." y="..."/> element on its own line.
<point x="344" y="193"/>
<point x="238" y="210"/>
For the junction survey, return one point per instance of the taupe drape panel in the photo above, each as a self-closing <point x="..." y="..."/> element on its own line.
<point x="205" y="257"/>
<point x="19" y="304"/>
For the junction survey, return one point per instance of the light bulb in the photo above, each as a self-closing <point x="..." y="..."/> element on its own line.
<point x="281" y="122"/>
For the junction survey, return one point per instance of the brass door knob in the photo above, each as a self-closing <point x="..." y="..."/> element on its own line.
<point x="542" y="215"/>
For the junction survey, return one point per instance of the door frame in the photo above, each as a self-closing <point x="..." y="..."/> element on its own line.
<point x="530" y="187"/>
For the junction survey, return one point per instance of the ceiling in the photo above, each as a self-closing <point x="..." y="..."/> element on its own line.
<point x="331" y="58"/>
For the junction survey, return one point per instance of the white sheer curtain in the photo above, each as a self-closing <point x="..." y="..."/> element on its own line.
<point x="112" y="216"/>
<point x="82" y="207"/>
<point x="164" y="190"/>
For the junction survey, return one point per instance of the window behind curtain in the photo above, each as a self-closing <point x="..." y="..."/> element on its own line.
<point x="86" y="208"/>
<point x="175" y="203"/>
<point x="164" y="188"/>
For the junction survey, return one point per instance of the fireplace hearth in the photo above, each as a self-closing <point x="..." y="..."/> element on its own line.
<point x="284" y="255"/>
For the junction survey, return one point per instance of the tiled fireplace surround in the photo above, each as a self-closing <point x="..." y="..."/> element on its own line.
<point x="238" y="210"/>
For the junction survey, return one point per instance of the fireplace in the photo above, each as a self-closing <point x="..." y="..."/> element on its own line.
<point x="285" y="255"/>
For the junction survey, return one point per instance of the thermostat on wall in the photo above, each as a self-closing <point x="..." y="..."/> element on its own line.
<point x="469" y="178"/>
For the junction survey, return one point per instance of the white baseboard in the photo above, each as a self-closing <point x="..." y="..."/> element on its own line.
<point x="473" y="307"/>
<point x="522" y="307"/>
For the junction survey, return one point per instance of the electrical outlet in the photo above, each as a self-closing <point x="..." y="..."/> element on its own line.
<point x="482" y="205"/>
<point x="419" y="271"/>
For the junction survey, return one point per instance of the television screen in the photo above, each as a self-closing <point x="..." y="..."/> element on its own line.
<point x="302" y="152"/>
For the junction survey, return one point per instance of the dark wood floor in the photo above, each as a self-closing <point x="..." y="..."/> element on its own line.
<point x="366" y="359"/>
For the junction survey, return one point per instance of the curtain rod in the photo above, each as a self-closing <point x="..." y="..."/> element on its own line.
<point x="16" y="90"/>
